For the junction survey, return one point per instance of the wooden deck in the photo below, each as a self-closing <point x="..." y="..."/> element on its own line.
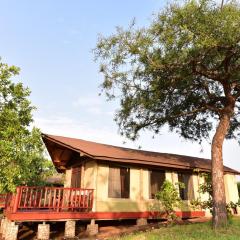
<point x="47" y="203"/>
<point x="61" y="204"/>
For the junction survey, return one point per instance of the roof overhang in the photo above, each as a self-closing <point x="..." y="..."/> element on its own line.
<point x="62" y="152"/>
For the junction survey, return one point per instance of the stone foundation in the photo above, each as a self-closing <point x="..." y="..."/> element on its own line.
<point x="11" y="231"/>
<point x="43" y="231"/>
<point x="92" y="228"/>
<point x="5" y="223"/>
<point x="2" y="221"/>
<point x="70" y="229"/>
<point x="142" y="221"/>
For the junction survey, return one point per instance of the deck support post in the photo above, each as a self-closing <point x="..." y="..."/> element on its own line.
<point x="2" y="221"/>
<point x="70" y="229"/>
<point x="11" y="231"/>
<point x="43" y="231"/>
<point x="4" y="227"/>
<point x="141" y="221"/>
<point x="17" y="198"/>
<point x="92" y="228"/>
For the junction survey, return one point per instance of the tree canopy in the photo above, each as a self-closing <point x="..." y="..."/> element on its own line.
<point x="22" y="159"/>
<point x="183" y="71"/>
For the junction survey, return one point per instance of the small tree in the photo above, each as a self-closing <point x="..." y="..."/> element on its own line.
<point x="182" y="71"/>
<point x="205" y="188"/>
<point x="168" y="199"/>
<point x="22" y="159"/>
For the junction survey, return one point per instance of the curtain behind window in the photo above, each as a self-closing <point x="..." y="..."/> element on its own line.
<point x="156" y="181"/>
<point x="114" y="186"/>
<point x="186" y="193"/>
<point x="118" y="182"/>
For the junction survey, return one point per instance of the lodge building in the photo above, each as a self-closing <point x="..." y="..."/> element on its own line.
<point x="104" y="182"/>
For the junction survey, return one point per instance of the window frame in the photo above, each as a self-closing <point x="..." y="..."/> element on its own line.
<point x="184" y="192"/>
<point x="150" y="183"/>
<point x="127" y="179"/>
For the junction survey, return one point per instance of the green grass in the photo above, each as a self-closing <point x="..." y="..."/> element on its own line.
<point x="201" y="231"/>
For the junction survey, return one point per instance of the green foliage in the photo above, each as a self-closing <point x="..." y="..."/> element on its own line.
<point x="238" y="184"/>
<point x="22" y="159"/>
<point x="205" y="188"/>
<point x="182" y="70"/>
<point x="168" y="199"/>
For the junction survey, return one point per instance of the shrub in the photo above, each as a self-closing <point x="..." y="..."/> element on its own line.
<point x="206" y="187"/>
<point x="168" y="199"/>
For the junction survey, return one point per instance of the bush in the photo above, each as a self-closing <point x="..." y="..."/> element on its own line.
<point x="206" y="187"/>
<point x="168" y="199"/>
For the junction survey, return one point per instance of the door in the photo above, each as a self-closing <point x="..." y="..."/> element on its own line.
<point x="76" y="177"/>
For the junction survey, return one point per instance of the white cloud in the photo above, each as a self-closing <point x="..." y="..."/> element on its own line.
<point x="72" y="128"/>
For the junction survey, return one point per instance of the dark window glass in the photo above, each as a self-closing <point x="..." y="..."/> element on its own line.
<point x="156" y="181"/>
<point x="118" y="182"/>
<point x="76" y="177"/>
<point x="186" y="193"/>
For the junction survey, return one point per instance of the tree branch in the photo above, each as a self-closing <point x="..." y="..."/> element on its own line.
<point x="222" y="3"/>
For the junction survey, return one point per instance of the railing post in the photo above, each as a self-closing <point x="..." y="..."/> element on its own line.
<point x="16" y="199"/>
<point x="55" y="199"/>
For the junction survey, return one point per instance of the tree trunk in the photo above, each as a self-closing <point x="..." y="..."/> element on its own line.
<point x="219" y="198"/>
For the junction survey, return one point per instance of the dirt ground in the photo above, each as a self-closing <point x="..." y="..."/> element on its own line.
<point x="107" y="229"/>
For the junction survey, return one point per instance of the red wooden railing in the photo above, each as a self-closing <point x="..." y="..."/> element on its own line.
<point x="3" y="200"/>
<point x="50" y="198"/>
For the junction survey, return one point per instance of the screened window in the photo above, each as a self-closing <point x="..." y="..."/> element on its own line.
<point x="118" y="182"/>
<point x="156" y="181"/>
<point x="76" y="177"/>
<point x="186" y="193"/>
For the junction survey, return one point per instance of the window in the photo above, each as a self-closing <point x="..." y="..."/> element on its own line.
<point x="76" y="177"/>
<point x="186" y="193"/>
<point x="118" y="182"/>
<point x="156" y="181"/>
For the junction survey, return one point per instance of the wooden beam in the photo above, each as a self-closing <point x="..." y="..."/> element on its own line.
<point x="66" y="155"/>
<point x="57" y="152"/>
<point x="63" y="216"/>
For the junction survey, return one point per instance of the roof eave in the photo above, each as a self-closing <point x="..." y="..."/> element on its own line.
<point x="129" y="160"/>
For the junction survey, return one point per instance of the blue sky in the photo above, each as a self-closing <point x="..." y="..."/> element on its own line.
<point x="52" y="42"/>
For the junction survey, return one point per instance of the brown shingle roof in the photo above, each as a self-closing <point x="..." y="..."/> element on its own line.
<point x="119" y="154"/>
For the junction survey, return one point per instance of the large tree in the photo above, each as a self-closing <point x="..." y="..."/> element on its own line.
<point x="183" y="71"/>
<point x="22" y="159"/>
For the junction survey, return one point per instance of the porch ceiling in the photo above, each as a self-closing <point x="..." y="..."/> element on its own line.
<point x="59" y="154"/>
